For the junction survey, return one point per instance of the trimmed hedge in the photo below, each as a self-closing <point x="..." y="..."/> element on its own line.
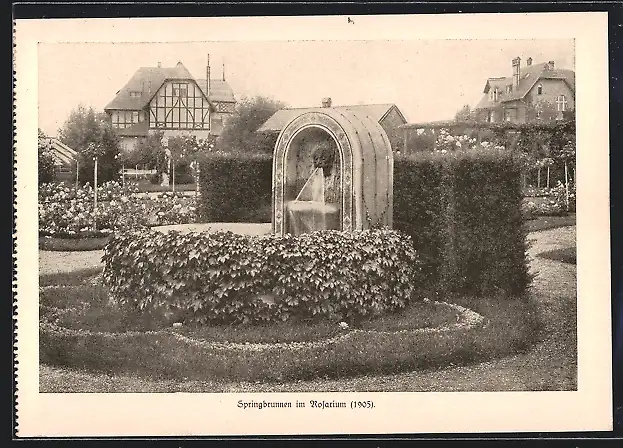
<point x="463" y="212"/>
<point x="226" y="277"/>
<point x="235" y="187"/>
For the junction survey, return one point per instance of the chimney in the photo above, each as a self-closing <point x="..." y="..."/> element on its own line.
<point x="208" y="77"/>
<point x="149" y="87"/>
<point x="326" y="102"/>
<point x="516" y="71"/>
<point x="223" y="70"/>
<point x="159" y="64"/>
<point x="529" y="62"/>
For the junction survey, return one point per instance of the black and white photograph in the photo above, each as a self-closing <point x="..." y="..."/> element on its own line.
<point x="309" y="228"/>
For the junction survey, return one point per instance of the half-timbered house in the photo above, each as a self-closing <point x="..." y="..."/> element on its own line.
<point x="171" y="100"/>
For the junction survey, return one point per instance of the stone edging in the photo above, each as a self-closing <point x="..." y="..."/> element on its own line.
<point x="467" y="319"/>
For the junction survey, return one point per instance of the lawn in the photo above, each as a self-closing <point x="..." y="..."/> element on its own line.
<point x="564" y="255"/>
<point x="82" y="330"/>
<point x="551" y="364"/>
<point x="550" y="222"/>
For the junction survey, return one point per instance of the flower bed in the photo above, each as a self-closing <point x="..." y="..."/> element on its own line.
<point x="549" y="202"/>
<point x="66" y="212"/>
<point x="72" y="244"/>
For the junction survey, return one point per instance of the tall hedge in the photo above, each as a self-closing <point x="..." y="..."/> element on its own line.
<point x="235" y="187"/>
<point x="463" y="212"/>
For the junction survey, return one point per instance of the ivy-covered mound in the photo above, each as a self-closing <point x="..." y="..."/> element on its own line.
<point x="224" y="277"/>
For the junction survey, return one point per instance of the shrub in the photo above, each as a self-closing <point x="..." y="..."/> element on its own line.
<point x="200" y="277"/>
<point x="69" y="213"/>
<point x="463" y="212"/>
<point x="234" y="186"/>
<point x="45" y="161"/>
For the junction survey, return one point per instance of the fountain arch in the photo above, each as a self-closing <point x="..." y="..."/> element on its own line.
<point x="359" y="183"/>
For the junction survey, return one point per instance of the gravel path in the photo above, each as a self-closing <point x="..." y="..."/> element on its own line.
<point x="51" y="262"/>
<point x="551" y="365"/>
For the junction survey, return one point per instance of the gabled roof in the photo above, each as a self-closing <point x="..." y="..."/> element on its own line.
<point x="282" y="117"/>
<point x="219" y="90"/>
<point x="529" y="75"/>
<point x="147" y="81"/>
<point x="62" y="153"/>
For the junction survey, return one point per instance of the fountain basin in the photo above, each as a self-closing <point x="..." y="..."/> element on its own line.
<point x="310" y="216"/>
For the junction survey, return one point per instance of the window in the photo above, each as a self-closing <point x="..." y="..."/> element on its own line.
<point x="180" y="90"/>
<point x="493" y="94"/>
<point x="509" y="114"/>
<point x="135" y="94"/>
<point x="539" y="90"/>
<point x="122" y="119"/>
<point x="561" y="103"/>
<point x="509" y="88"/>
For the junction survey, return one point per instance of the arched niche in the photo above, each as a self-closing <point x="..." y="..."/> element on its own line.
<point x="360" y="183"/>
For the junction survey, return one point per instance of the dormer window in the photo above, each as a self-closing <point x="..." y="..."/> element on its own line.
<point x="135" y="94"/>
<point x="493" y="94"/>
<point x="539" y="90"/>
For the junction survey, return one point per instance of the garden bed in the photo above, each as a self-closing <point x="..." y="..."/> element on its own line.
<point x="81" y="329"/>
<point x="49" y="243"/>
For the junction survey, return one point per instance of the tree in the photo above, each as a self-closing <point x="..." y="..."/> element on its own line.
<point x="149" y="152"/>
<point x="465" y="114"/>
<point x="541" y="111"/>
<point x="240" y="133"/>
<point x="86" y="128"/>
<point x="45" y="159"/>
<point x="184" y="150"/>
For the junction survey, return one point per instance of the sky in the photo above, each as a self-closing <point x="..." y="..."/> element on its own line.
<point x="427" y="79"/>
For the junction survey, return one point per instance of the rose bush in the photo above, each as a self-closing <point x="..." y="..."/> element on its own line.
<point x="553" y="201"/>
<point x="68" y="212"/>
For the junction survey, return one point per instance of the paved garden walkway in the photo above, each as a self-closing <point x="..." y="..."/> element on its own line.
<point x="551" y="365"/>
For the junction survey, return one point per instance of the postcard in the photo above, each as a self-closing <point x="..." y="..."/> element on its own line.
<point x="312" y="225"/>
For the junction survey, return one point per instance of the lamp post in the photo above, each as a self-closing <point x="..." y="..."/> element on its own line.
<point x="95" y="195"/>
<point x="122" y="171"/>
